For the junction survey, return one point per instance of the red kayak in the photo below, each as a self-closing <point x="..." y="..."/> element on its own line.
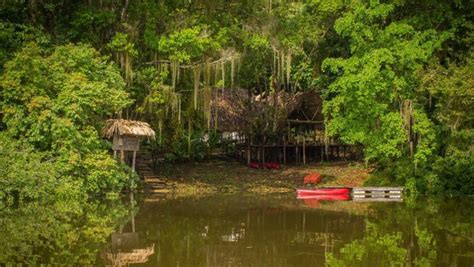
<point x="309" y="198"/>
<point x="323" y="191"/>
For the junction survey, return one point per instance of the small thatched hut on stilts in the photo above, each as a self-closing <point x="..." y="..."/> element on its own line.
<point x="277" y="126"/>
<point x="126" y="136"/>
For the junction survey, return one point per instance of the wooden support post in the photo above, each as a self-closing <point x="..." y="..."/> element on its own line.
<point x="122" y="156"/>
<point x="279" y="155"/>
<point x="296" y="153"/>
<point x="115" y="154"/>
<point x="322" y="153"/>
<point x="284" y="151"/>
<point x="315" y="153"/>
<point x="248" y="151"/>
<point x="133" y="160"/>
<point x="304" y="151"/>
<point x="258" y="154"/>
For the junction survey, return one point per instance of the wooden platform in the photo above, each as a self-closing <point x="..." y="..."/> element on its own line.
<point x="381" y="193"/>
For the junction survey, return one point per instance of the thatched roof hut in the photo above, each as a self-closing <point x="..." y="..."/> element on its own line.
<point x="127" y="128"/>
<point x="239" y="111"/>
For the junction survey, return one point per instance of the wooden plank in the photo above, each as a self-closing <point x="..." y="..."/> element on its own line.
<point x="377" y="189"/>
<point x="378" y="199"/>
<point x="376" y="192"/>
<point x="376" y="196"/>
<point x="126" y="143"/>
<point x="153" y="180"/>
<point x="385" y="196"/>
<point x="147" y="173"/>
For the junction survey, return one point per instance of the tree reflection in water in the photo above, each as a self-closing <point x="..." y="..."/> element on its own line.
<point x="125" y="247"/>
<point x="280" y="231"/>
<point x="240" y="230"/>
<point x="65" y="232"/>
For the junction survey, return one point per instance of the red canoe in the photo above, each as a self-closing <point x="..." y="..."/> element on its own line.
<point x="309" y="198"/>
<point x="323" y="191"/>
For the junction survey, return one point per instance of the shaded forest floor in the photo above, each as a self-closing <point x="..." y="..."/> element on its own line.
<point x="231" y="177"/>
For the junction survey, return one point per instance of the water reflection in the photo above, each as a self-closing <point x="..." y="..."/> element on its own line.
<point x="241" y="231"/>
<point x="283" y="231"/>
<point x="68" y="232"/>
<point x="125" y="248"/>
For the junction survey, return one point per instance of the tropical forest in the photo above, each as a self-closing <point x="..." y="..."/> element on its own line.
<point x="237" y="132"/>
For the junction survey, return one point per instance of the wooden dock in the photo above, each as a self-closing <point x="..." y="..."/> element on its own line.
<point x="377" y="193"/>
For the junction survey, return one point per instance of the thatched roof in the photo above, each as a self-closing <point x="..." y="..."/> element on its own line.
<point x="127" y="258"/>
<point x="234" y="113"/>
<point x="232" y="109"/>
<point x="128" y="128"/>
<point x="308" y="107"/>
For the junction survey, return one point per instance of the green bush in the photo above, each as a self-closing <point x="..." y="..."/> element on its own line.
<point x="28" y="175"/>
<point x="453" y="175"/>
<point x="55" y="100"/>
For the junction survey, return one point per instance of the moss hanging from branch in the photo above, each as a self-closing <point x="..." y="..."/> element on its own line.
<point x="223" y="74"/>
<point x="124" y="51"/>
<point x="196" y="78"/>
<point x="174" y="70"/>
<point x="232" y="72"/>
<point x="288" y="68"/>
<point x="207" y="74"/>
<point x="282" y="68"/>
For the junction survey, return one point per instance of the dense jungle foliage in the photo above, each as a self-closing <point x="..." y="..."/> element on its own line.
<point x="395" y="76"/>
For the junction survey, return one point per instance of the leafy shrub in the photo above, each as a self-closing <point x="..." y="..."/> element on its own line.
<point x="454" y="175"/>
<point x="55" y="101"/>
<point x="29" y="175"/>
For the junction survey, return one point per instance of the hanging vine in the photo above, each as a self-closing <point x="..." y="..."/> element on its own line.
<point x="124" y="52"/>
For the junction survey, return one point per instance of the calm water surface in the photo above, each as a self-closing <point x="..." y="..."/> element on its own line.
<point x="241" y="230"/>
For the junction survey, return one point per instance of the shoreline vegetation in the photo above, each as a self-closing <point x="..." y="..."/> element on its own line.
<point x="391" y="81"/>
<point x="231" y="177"/>
<point x="386" y="85"/>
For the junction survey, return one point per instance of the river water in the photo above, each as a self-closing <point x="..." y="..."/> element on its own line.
<point x="241" y="230"/>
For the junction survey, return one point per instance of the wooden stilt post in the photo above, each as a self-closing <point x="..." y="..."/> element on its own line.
<point x="304" y="151"/>
<point x="296" y="152"/>
<point x="259" y="149"/>
<point x="279" y="155"/>
<point x="115" y="154"/>
<point x="315" y="153"/>
<point x="248" y="151"/>
<point x="322" y="153"/>
<point x="122" y="156"/>
<point x="133" y="160"/>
